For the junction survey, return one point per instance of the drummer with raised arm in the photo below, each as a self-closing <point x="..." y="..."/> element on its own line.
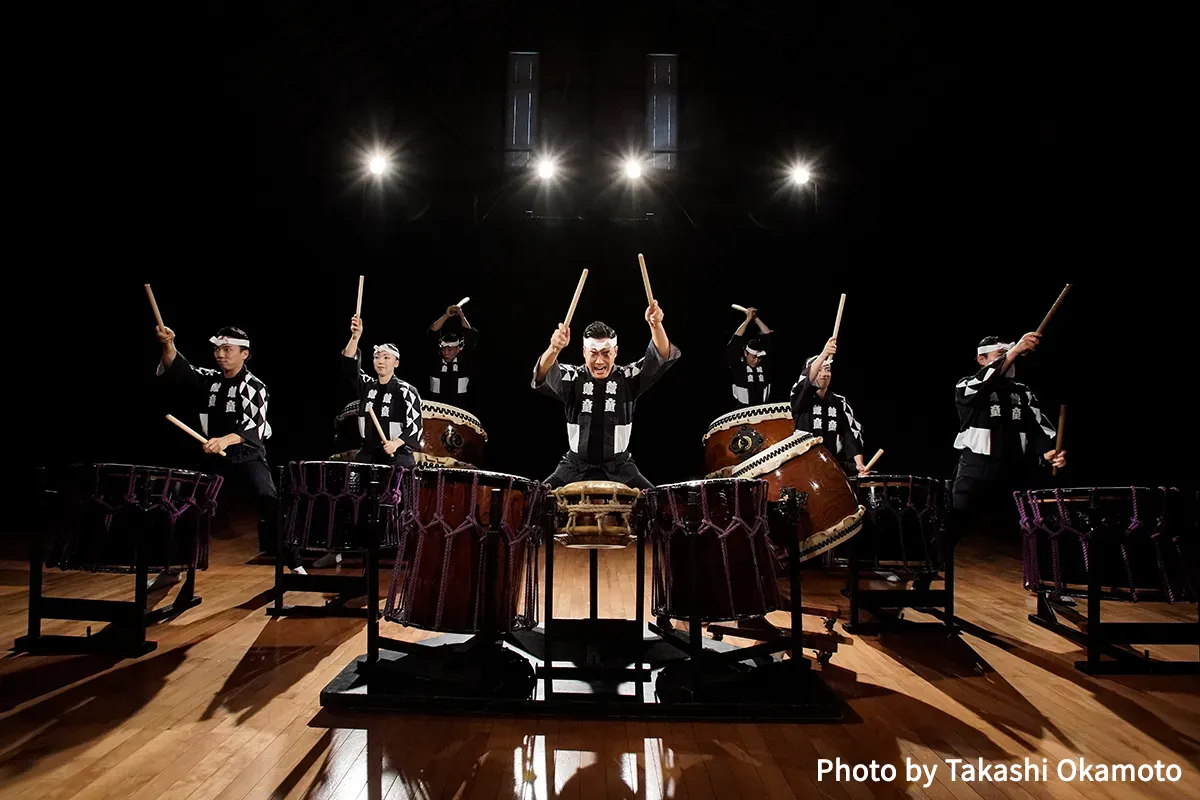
<point x="749" y="368"/>
<point x="827" y="414"/>
<point x="452" y="356"/>
<point x="599" y="399"/>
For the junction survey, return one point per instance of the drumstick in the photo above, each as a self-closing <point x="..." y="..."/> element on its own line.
<point x="462" y="302"/>
<point x="739" y="309"/>
<point x="190" y="432"/>
<point x="375" y="419"/>
<point x="838" y="322"/>
<point x="646" y="280"/>
<point x="1054" y="308"/>
<point x="154" y="306"/>
<point x="575" y="299"/>
<point x="874" y="458"/>
<point x="1062" y="421"/>
<point x="358" y="307"/>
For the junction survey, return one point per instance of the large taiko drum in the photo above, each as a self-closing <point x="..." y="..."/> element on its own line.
<point x="761" y="442"/>
<point x="710" y="543"/>
<point x="450" y="432"/>
<point x="468" y="572"/>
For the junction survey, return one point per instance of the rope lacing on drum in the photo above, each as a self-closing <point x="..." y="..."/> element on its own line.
<point x="1066" y="526"/>
<point x="1161" y="528"/>
<point x="301" y="490"/>
<point x="1032" y="575"/>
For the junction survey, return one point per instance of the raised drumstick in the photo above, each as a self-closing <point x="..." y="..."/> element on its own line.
<point x="462" y="302"/>
<point x="1054" y="308"/>
<point x="575" y="299"/>
<point x="739" y="309"/>
<point x="646" y="280"/>
<point x="171" y="418"/>
<point x="375" y="419"/>
<point x="874" y="458"/>
<point x="154" y="306"/>
<point x="838" y="322"/>
<point x="1062" y="421"/>
<point x="358" y="306"/>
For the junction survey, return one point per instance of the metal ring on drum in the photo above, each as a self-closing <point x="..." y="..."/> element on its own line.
<point x="799" y="462"/>
<point x="450" y="432"/>
<point x="734" y="437"/>
<point x="595" y="515"/>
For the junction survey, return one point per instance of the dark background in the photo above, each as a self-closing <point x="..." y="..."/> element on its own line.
<point x="948" y="206"/>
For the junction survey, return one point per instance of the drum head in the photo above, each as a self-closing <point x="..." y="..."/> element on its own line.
<point x="591" y="488"/>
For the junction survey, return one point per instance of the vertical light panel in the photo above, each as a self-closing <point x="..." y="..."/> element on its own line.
<point x="662" y="109"/>
<point x="520" y="115"/>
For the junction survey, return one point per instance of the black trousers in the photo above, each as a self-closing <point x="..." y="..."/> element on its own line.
<point x="981" y="498"/>
<point x="253" y="478"/>
<point x="621" y="469"/>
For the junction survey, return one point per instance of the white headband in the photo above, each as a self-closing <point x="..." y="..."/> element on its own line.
<point x="594" y="344"/>
<point x="218" y="341"/>
<point x="753" y="352"/>
<point x="991" y="348"/>
<point x="387" y="348"/>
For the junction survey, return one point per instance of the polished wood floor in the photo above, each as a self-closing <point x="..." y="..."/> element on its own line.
<point x="227" y="707"/>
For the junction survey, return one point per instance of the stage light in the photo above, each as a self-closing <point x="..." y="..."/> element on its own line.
<point x="545" y="169"/>
<point x="378" y="165"/>
<point x="801" y="175"/>
<point x="633" y="169"/>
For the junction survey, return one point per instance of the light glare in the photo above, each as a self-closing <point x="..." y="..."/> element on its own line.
<point x="378" y="165"/>
<point x="545" y="169"/>
<point x="801" y="175"/>
<point x="633" y="169"/>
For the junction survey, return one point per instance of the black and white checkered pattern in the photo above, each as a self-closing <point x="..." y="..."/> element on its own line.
<point x="999" y="418"/>
<point x="397" y="406"/>
<point x="830" y="417"/>
<point x="751" y="385"/>
<point x="231" y="405"/>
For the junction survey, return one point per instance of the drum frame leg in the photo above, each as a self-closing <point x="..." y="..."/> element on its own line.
<point x="886" y="605"/>
<point x="129" y="620"/>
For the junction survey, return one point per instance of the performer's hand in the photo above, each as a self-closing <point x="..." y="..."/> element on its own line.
<point x="830" y="346"/>
<point x="214" y="445"/>
<point x="165" y="335"/>
<point x="1057" y="458"/>
<point x="654" y="315"/>
<point x="355" y="327"/>
<point x="862" y="468"/>
<point x="452" y="311"/>
<point x="751" y="313"/>
<point x="391" y="447"/>
<point x="561" y="338"/>
<point x="1028" y="343"/>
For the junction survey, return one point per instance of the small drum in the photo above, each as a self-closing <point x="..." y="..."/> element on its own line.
<point x="113" y="509"/>
<point x="462" y="578"/>
<point x="327" y="505"/>
<point x="732" y="573"/>
<point x="901" y="527"/>
<point x="450" y="432"/>
<point x="1137" y="535"/>
<point x="595" y="515"/>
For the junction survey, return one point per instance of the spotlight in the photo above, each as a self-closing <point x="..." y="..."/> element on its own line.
<point x="545" y="169"/>
<point x="633" y="169"/>
<point x="378" y="165"/>
<point x="801" y="175"/>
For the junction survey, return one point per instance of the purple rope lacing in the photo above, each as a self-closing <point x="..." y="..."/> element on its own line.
<point x="1032" y="577"/>
<point x="400" y="601"/>
<point x="303" y="491"/>
<point x="664" y="579"/>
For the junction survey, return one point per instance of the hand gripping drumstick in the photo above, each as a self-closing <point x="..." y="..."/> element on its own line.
<point x="375" y="419"/>
<point x="838" y="322"/>
<point x="874" y="458"/>
<point x="154" y="306"/>
<point x="646" y="280"/>
<point x="1054" y="308"/>
<point x="358" y="306"/>
<point x="190" y="432"/>
<point x="1062" y="421"/>
<point x="575" y="299"/>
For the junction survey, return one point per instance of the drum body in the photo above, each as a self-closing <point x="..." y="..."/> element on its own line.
<point x="595" y="515"/>
<point x="709" y="540"/>
<point x="331" y="505"/>
<point x="1135" y="538"/>
<point x="901" y="527"/>
<point x="760" y="442"/>
<point x="461" y="578"/>
<point x="113" y="510"/>
<point x="450" y="432"/>
<point x="346" y="436"/>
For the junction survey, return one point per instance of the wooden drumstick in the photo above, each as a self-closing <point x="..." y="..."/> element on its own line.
<point x="575" y="299"/>
<point x="838" y="322"/>
<point x="1054" y="308"/>
<point x="375" y="419"/>
<point x="358" y="306"/>
<point x="154" y="306"/>
<point x="874" y="458"/>
<point x="462" y="302"/>
<point x="1062" y="421"/>
<point x="189" y="431"/>
<point x="739" y="309"/>
<point x="646" y="280"/>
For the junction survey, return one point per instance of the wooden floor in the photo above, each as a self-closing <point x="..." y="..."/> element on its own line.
<point x="227" y="707"/>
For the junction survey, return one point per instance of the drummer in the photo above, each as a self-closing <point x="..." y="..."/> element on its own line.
<point x="826" y="413"/>
<point x="750" y="370"/>
<point x="396" y="404"/>
<point x="599" y="399"/>
<point x="450" y="367"/>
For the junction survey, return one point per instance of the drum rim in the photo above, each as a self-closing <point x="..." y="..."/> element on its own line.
<point x="449" y="413"/>
<point x="710" y="481"/>
<point x="900" y="478"/>
<point x="303" y="462"/>
<point x="1085" y="492"/>
<point x="614" y="486"/>
<point x="778" y="411"/>
<point x="756" y="464"/>
<point x="429" y="473"/>
<point x="171" y="470"/>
